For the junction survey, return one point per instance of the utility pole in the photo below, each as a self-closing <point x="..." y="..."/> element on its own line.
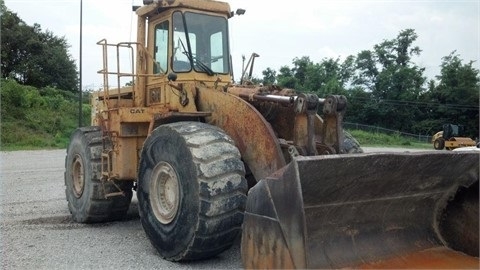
<point x="80" y="98"/>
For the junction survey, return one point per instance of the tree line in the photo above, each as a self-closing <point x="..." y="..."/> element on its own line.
<point x="383" y="85"/>
<point x="386" y="88"/>
<point x="35" y="57"/>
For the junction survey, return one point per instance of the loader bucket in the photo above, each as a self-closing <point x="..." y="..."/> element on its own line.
<point x="384" y="210"/>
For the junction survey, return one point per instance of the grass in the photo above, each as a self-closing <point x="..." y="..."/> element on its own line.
<point x="37" y="118"/>
<point x="33" y="118"/>
<point x="16" y="137"/>
<point x="29" y="140"/>
<point x="384" y="140"/>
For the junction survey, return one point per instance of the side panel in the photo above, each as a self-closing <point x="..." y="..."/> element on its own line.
<point x="252" y="134"/>
<point x="125" y="158"/>
<point x="459" y="142"/>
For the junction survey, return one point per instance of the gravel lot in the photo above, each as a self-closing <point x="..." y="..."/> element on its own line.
<point x="36" y="230"/>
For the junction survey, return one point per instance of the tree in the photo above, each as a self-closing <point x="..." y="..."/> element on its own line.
<point x="333" y="75"/>
<point x="384" y="87"/>
<point x="330" y="76"/>
<point x="285" y="77"/>
<point x="269" y="76"/>
<point x="300" y="70"/>
<point x="33" y="57"/>
<point x="457" y="94"/>
<point x="393" y="79"/>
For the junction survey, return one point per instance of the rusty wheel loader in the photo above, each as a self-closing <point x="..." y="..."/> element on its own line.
<point x="210" y="159"/>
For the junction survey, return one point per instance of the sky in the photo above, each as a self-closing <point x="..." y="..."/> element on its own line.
<point x="278" y="31"/>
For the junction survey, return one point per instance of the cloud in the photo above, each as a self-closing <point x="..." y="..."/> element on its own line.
<point x="280" y="30"/>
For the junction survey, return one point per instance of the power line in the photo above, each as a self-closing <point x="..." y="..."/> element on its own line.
<point x="417" y="103"/>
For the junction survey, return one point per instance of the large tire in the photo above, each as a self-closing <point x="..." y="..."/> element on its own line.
<point x="439" y="144"/>
<point x="350" y="144"/>
<point x="84" y="189"/>
<point x="191" y="190"/>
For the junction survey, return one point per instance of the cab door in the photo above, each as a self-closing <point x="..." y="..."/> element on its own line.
<point x="158" y="44"/>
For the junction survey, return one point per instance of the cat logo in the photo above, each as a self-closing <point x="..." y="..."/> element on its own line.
<point x="137" y="110"/>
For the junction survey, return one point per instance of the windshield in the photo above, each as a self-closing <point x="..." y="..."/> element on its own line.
<point x="200" y="40"/>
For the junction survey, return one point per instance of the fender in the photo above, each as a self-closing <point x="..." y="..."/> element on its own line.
<point x="252" y="134"/>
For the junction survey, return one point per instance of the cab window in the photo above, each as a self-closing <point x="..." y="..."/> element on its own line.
<point x="200" y="42"/>
<point x="161" y="48"/>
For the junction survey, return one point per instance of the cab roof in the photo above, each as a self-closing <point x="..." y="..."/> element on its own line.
<point x="158" y="6"/>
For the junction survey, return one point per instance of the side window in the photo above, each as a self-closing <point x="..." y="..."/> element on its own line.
<point x="161" y="48"/>
<point x="217" y="53"/>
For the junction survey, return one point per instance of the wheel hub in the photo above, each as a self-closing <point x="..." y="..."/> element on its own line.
<point x="78" y="178"/>
<point x="164" y="195"/>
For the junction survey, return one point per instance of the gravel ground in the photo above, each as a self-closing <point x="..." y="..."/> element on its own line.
<point x="37" y="232"/>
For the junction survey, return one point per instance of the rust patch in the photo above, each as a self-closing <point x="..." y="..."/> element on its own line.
<point x="253" y="136"/>
<point x="433" y="258"/>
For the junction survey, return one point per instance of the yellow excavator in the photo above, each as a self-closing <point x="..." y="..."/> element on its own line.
<point x="210" y="159"/>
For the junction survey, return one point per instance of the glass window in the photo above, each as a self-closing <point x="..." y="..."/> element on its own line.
<point x="181" y="55"/>
<point x="200" y="40"/>
<point x="217" y="53"/>
<point x="161" y="48"/>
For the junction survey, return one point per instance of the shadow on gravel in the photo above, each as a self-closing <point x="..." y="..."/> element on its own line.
<point x="132" y="213"/>
<point x="66" y="222"/>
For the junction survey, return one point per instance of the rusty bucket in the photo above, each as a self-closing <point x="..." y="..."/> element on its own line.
<point x="384" y="210"/>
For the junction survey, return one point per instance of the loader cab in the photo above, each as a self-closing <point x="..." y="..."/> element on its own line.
<point x="198" y="43"/>
<point x="187" y="39"/>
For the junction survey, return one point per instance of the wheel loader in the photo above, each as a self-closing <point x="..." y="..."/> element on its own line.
<point x="210" y="159"/>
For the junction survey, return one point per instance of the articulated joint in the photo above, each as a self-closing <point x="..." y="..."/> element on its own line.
<point x="306" y="103"/>
<point x="335" y="104"/>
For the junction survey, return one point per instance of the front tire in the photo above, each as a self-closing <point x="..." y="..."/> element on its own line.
<point x="191" y="190"/>
<point x="439" y="144"/>
<point x="84" y="190"/>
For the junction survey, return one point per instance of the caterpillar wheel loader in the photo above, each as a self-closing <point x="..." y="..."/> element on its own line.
<point x="451" y="137"/>
<point x="210" y="159"/>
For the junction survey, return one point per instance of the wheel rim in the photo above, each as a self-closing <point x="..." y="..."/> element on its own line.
<point x="164" y="192"/>
<point x="78" y="178"/>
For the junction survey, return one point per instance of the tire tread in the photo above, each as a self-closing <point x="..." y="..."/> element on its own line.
<point x="213" y="151"/>
<point x="101" y="209"/>
<point x="222" y="188"/>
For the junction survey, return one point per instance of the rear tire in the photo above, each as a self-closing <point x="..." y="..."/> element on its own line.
<point x="439" y="144"/>
<point x="191" y="190"/>
<point x="84" y="189"/>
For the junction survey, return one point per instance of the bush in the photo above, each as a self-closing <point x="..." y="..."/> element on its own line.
<point x="35" y="118"/>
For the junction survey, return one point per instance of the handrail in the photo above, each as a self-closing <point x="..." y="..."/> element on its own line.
<point x="105" y="70"/>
